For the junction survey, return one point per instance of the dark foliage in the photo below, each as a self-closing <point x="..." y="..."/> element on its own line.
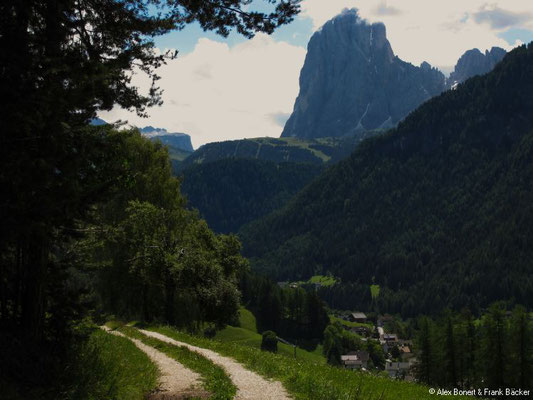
<point x="269" y="342"/>
<point x="232" y="192"/>
<point x="496" y="351"/>
<point x="294" y="313"/>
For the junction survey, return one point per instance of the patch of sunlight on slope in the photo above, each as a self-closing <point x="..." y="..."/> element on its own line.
<point x="247" y="335"/>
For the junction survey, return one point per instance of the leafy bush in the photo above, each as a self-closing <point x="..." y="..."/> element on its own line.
<point x="269" y="342"/>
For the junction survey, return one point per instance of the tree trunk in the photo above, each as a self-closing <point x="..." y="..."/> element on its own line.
<point x="145" y="313"/>
<point x="3" y="295"/>
<point x="17" y="296"/>
<point x="33" y="299"/>
<point x="170" y="288"/>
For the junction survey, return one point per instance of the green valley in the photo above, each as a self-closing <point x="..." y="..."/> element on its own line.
<point x="374" y="251"/>
<point x="437" y="211"/>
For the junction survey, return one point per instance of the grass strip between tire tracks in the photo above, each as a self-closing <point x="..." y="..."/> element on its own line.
<point x="214" y="378"/>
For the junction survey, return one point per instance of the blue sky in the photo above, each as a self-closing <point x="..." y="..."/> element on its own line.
<point x="511" y="35"/>
<point x="297" y="33"/>
<point x="230" y="88"/>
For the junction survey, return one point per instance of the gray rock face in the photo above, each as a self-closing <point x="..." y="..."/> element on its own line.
<point x="474" y="62"/>
<point x="178" y="140"/>
<point x="351" y="82"/>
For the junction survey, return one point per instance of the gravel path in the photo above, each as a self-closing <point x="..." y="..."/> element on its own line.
<point x="250" y="386"/>
<point x="176" y="381"/>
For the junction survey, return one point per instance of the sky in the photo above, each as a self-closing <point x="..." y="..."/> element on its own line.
<point x="232" y="88"/>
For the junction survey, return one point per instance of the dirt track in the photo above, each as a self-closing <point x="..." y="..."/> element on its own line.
<point x="176" y="381"/>
<point x="250" y="386"/>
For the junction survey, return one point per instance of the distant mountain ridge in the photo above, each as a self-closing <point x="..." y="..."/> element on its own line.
<point x="351" y="80"/>
<point x="179" y="144"/>
<point x="314" y="151"/>
<point x="234" y="182"/>
<point x="474" y="62"/>
<point x="179" y="140"/>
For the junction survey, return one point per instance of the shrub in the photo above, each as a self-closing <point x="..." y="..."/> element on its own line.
<point x="269" y="342"/>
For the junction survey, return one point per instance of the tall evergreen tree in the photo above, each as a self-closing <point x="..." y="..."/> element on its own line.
<point x="494" y="354"/>
<point x="61" y="61"/>
<point x="424" y="368"/>
<point x="520" y="349"/>
<point x="450" y="354"/>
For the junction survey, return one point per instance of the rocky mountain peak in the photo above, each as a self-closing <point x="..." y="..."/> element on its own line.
<point x="474" y="62"/>
<point x="351" y="82"/>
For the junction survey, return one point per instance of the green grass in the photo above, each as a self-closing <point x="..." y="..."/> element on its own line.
<point x="374" y="291"/>
<point x="297" y="142"/>
<point x="246" y="335"/>
<point x="111" y="367"/>
<point x="323" y="280"/>
<point x="247" y="320"/>
<point x="214" y="378"/>
<point x="305" y="380"/>
<point x="350" y="324"/>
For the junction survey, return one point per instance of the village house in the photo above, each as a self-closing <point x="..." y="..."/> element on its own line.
<point x="390" y="338"/>
<point x="405" y="353"/>
<point x="357" y="317"/>
<point x="397" y="369"/>
<point x="388" y="341"/>
<point x="355" y="360"/>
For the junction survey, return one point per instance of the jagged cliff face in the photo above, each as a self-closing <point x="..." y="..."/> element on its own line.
<point x="474" y="62"/>
<point x="351" y="82"/>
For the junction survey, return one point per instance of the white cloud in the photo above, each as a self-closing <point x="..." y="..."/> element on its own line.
<point x="219" y="93"/>
<point x="433" y="30"/>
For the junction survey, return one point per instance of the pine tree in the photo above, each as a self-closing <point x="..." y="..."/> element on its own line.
<point x="450" y="354"/>
<point x="494" y="350"/>
<point x="425" y="366"/>
<point x="520" y="348"/>
<point x="61" y="62"/>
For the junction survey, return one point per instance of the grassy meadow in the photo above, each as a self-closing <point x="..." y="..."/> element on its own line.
<point x="110" y="367"/>
<point x="247" y="335"/>
<point x="308" y="380"/>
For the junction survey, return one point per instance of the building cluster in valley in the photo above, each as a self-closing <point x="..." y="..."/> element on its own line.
<point x="400" y="358"/>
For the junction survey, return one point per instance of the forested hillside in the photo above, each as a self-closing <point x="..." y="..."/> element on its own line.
<point x="235" y="182"/>
<point x="315" y="151"/>
<point x="231" y="192"/>
<point x="438" y="211"/>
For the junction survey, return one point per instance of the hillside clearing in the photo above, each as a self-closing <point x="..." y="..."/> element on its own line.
<point x="247" y="335"/>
